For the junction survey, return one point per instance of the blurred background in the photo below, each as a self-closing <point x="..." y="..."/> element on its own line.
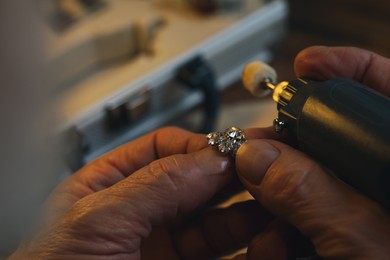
<point x="98" y="73"/>
<point x="120" y="68"/>
<point x="359" y="23"/>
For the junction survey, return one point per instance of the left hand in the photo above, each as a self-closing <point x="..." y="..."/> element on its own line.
<point x="122" y="205"/>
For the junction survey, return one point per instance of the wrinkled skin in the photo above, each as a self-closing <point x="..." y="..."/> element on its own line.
<point x="148" y="198"/>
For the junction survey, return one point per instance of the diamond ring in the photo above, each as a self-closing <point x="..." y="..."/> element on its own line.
<point x="227" y="141"/>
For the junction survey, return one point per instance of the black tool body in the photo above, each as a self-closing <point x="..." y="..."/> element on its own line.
<point x="346" y="127"/>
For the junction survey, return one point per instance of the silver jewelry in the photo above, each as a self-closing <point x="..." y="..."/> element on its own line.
<point x="227" y="141"/>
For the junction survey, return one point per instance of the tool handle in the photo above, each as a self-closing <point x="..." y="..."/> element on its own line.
<point x="346" y="126"/>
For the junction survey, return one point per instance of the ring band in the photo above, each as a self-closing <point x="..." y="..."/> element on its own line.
<point x="227" y="141"/>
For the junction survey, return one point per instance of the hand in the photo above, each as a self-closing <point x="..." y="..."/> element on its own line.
<point x="339" y="222"/>
<point x="132" y="202"/>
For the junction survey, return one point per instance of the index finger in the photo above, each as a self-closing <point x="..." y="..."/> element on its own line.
<point x="123" y="161"/>
<point x="165" y="142"/>
<point x="369" y="68"/>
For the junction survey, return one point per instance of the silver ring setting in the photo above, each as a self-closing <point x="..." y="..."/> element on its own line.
<point x="227" y="141"/>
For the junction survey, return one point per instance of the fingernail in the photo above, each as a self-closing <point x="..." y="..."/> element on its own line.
<point x="212" y="162"/>
<point x="253" y="160"/>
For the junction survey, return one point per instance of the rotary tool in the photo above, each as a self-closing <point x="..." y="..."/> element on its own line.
<point x="339" y="122"/>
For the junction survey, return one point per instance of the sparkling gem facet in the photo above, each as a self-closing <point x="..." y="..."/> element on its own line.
<point x="223" y="148"/>
<point x="228" y="141"/>
<point x="215" y="138"/>
<point x="211" y="138"/>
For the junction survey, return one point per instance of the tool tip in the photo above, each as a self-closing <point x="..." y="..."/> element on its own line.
<point x="256" y="73"/>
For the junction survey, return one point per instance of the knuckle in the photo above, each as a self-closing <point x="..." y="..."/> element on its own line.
<point x="168" y="171"/>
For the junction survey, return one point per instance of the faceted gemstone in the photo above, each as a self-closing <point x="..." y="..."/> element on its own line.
<point x="235" y="134"/>
<point x="233" y="147"/>
<point x="228" y="141"/>
<point x="221" y="138"/>
<point x="211" y="139"/>
<point x="223" y="148"/>
<point x="215" y="138"/>
<point x="236" y="139"/>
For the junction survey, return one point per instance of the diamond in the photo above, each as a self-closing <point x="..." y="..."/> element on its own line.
<point x="211" y="138"/>
<point x="215" y="138"/>
<point x="235" y="134"/>
<point x="228" y="141"/>
<point x="223" y="148"/>
<point x="235" y="138"/>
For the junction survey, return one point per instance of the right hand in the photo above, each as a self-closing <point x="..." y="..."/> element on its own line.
<point x="340" y="222"/>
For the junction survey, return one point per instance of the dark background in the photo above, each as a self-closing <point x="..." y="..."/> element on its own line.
<point x="359" y="23"/>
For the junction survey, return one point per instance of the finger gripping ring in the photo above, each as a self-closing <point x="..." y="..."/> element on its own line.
<point x="227" y="141"/>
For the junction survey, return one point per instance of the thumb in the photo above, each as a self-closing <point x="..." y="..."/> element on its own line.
<point x="174" y="184"/>
<point x="321" y="62"/>
<point x="295" y="188"/>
